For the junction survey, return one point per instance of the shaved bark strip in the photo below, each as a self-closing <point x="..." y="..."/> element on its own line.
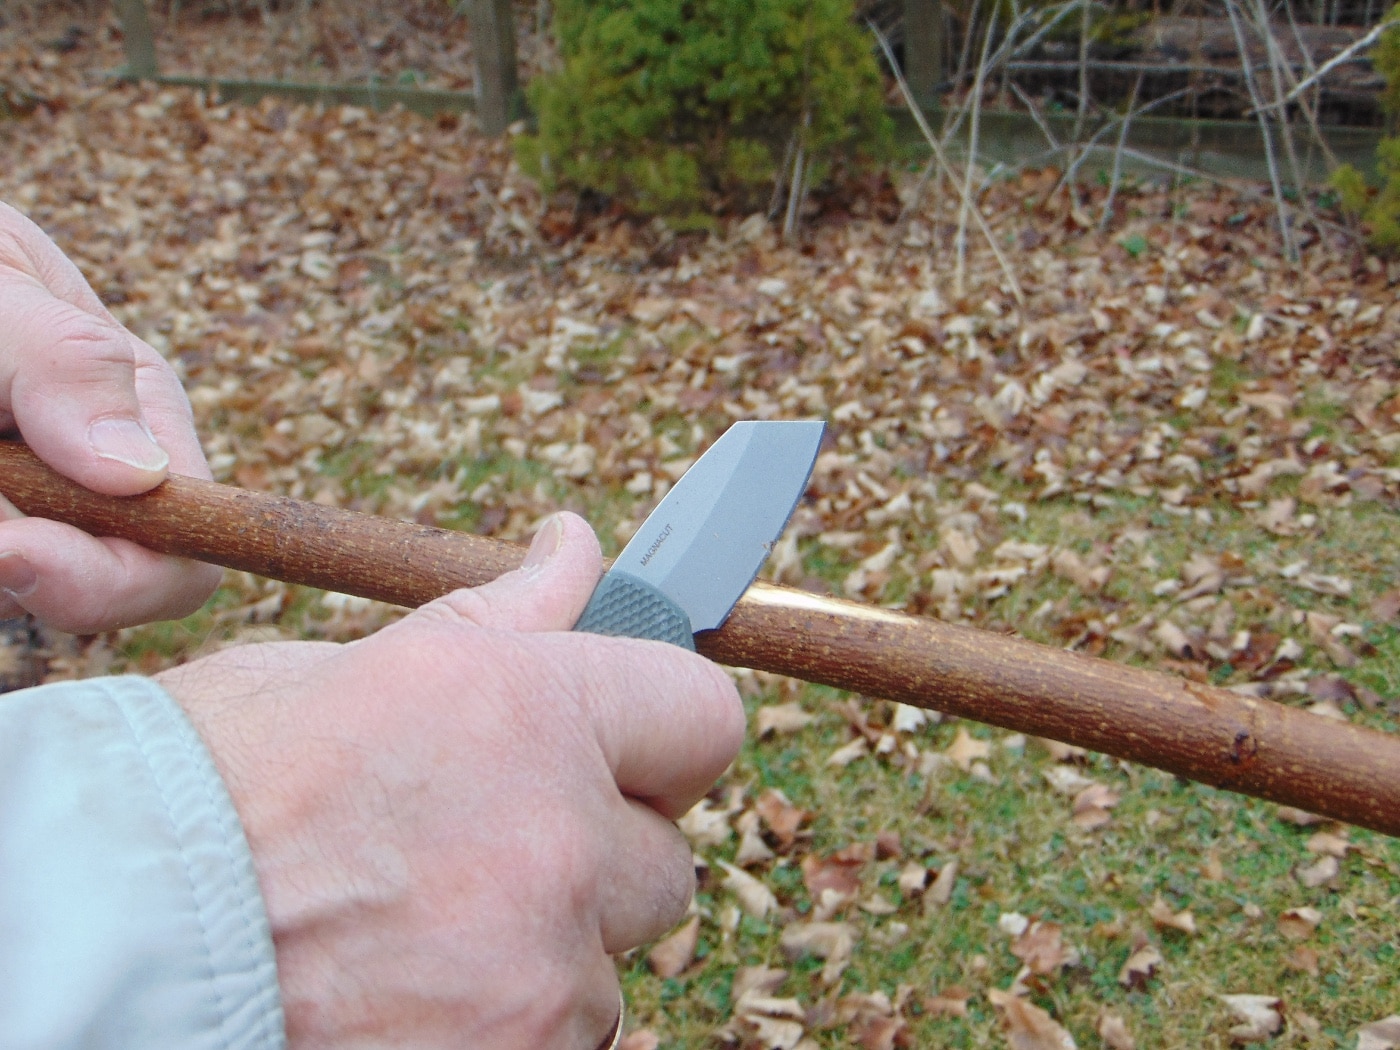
<point x="1212" y="735"/>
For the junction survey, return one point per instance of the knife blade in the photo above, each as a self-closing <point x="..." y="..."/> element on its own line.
<point x="702" y="546"/>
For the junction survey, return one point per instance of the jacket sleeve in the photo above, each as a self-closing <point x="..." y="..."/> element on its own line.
<point x="130" y="914"/>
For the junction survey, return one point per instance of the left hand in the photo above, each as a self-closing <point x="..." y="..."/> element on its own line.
<point x="100" y="406"/>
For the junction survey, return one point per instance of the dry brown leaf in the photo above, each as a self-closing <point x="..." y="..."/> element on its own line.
<point x="1380" y="1035"/>
<point x="848" y="753"/>
<point x="913" y="877"/>
<point x="754" y="897"/>
<point x="1041" y="948"/>
<point x="1298" y="817"/>
<point x="966" y="749"/>
<point x="752" y="849"/>
<point x="1092" y="806"/>
<point x="1067" y="780"/>
<point x="1299" y="923"/>
<point x="783" y="818"/>
<point x="1141" y="967"/>
<point x="706" y="826"/>
<point x="1164" y="918"/>
<point x="941" y="892"/>
<point x="781" y="719"/>
<point x="950" y="1002"/>
<point x="1260" y="1017"/>
<point x="671" y="955"/>
<point x="1114" y="1032"/>
<point x="1028" y="1027"/>
<point x="1329" y="843"/>
<point x="642" y="1039"/>
<point x="1303" y="959"/>
<point x="759" y="980"/>
<point x="1323" y="873"/>
<point x="831" y="942"/>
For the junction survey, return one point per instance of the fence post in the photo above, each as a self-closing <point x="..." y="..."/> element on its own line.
<point x="923" y="48"/>
<point x="493" y="45"/>
<point x="140" y="44"/>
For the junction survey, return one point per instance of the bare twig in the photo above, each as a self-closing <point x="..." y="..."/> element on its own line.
<point x="968" y="203"/>
<point x="1340" y="58"/>
<point x="942" y="159"/>
<point x="1280" y="204"/>
<point x="1107" y="215"/>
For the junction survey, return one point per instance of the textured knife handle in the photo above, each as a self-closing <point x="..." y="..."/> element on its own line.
<point x="625" y="607"/>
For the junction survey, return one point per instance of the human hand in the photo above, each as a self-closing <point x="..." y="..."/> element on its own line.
<point x="102" y="407"/>
<point x="457" y="820"/>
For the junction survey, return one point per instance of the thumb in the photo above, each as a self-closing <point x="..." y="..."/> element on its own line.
<point x="70" y="377"/>
<point x="548" y="591"/>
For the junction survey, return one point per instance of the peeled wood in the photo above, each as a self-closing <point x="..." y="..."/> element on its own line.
<point x="1212" y="735"/>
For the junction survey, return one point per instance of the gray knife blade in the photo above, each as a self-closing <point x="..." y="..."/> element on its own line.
<point x="702" y="546"/>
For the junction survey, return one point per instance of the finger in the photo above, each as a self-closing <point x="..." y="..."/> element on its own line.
<point x="547" y="593"/>
<point x="106" y="376"/>
<point x="83" y="585"/>
<point x="68" y="378"/>
<point x="647" y="879"/>
<point x="669" y="722"/>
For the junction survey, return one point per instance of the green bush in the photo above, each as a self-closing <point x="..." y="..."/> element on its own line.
<point x="1379" y="206"/>
<point x="681" y="107"/>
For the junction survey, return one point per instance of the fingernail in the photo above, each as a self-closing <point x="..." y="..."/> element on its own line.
<point x="546" y="543"/>
<point x="17" y="576"/>
<point x="127" y="441"/>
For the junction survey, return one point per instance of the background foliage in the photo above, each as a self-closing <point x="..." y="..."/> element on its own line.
<point x="679" y="105"/>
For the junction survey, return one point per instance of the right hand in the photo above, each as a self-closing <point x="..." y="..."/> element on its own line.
<point x="456" y="821"/>
<point x="103" y="408"/>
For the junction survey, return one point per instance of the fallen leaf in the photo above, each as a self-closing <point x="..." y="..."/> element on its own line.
<point x="1299" y="923"/>
<point x="1041" y="948"/>
<point x="1067" y="780"/>
<point x="831" y="942"/>
<point x="1300" y="818"/>
<point x="705" y="826"/>
<point x="754" y="897"/>
<point x="1329" y="843"/>
<point x="1324" y="872"/>
<point x="782" y="817"/>
<point x="1303" y="959"/>
<point x="642" y="1039"/>
<point x="1114" y="1032"/>
<point x="1380" y="1035"/>
<point x="950" y="1002"/>
<point x="966" y="749"/>
<point x="781" y="719"/>
<point x="752" y="849"/>
<point x="941" y="892"/>
<point x="1260" y="1017"/>
<point x="1164" y="918"/>
<point x="1013" y="923"/>
<point x="913" y="877"/>
<point x="1092" y="805"/>
<point x="848" y="753"/>
<point x="1140" y="968"/>
<point x="1028" y="1027"/>
<point x="671" y="955"/>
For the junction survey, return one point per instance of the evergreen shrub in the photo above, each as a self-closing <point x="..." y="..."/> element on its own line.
<point x="1379" y="206"/>
<point x="685" y="107"/>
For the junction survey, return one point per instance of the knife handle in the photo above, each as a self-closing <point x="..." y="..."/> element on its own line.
<point x="624" y="606"/>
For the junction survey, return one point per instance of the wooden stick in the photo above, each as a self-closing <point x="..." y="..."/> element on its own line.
<point x="1212" y="735"/>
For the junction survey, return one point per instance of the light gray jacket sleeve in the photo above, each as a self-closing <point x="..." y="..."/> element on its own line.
<point x="130" y="915"/>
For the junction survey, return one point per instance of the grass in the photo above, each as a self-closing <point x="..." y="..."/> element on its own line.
<point x="1230" y="861"/>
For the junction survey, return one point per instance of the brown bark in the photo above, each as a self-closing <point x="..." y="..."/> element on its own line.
<point x="1212" y="735"/>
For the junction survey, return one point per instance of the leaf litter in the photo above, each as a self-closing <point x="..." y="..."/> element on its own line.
<point x="379" y="312"/>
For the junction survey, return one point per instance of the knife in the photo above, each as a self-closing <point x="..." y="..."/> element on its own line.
<point x="1202" y="732"/>
<point x="702" y="546"/>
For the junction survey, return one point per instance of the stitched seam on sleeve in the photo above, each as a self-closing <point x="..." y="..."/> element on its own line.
<point x="190" y="880"/>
